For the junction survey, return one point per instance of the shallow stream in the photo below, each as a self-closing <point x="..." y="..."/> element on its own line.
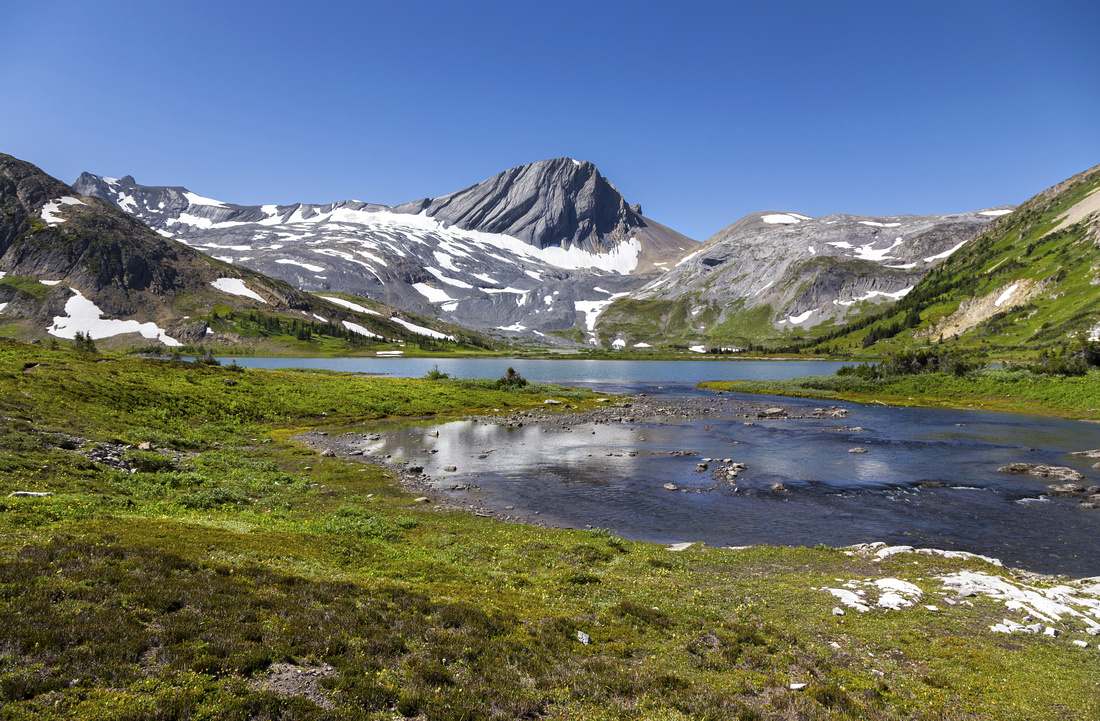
<point x="929" y="477"/>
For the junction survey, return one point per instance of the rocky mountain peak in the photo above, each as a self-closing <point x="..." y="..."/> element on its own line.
<point x="561" y="201"/>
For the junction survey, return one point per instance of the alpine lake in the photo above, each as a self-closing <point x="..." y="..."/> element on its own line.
<point x="929" y="477"/>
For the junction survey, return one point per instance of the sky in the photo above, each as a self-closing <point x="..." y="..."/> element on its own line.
<point x="702" y="112"/>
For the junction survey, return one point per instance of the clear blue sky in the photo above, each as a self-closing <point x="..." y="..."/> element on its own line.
<point x="701" y="111"/>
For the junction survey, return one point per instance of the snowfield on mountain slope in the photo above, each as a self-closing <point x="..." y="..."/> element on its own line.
<point x="84" y="316"/>
<point x="348" y="224"/>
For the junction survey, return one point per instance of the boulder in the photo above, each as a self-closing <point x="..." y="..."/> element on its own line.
<point x="1060" y="473"/>
<point x="857" y="450"/>
<point x="1067" y="487"/>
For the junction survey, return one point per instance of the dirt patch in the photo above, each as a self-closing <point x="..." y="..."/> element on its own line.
<point x="289" y="680"/>
<point x="973" y="311"/>
<point x="1089" y="204"/>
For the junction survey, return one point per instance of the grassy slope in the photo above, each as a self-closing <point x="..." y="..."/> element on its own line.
<point x="167" y="592"/>
<point x="1016" y="391"/>
<point x="1016" y="249"/>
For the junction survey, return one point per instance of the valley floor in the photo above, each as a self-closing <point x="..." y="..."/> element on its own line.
<point x="168" y="551"/>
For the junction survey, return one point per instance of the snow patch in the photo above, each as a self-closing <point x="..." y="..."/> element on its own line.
<point x="995" y="213"/>
<point x="434" y="295"/>
<point x="445" y="279"/>
<point x="784" y="218"/>
<point x="593" y="308"/>
<point x="195" y="199"/>
<point x="801" y="318"/>
<point x="421" y="330"/>
<point x="356" y="328"/>
<point x="84" y="316"/>
<point x="348" y="304"/>
<point x="50" y="209"/>
<point x="763" y="288"/>
<point x="236" y="286"/>
<point x="873" y="293"/>
<point x="1006" y="295"/>
<point x="491" y="291"/>
<point x="642" y="345"/>
<point x="698" y="349"/>
<point x="879" y="225"/>
<point x="618" y="344"/>
<point x="514" y="328"/>
<point x="945" y="253"/>
<point x="307" y="266"/>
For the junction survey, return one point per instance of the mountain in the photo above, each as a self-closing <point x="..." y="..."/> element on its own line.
<point x="562" y="202"/>
<point x="1030" y="282"/>
<point x="536" y="250"/>
<point x="776" y="274"/>
<point x="73" y="263"/>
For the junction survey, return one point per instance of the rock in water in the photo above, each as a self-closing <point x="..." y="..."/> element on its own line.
<point x="1040" y="470"/>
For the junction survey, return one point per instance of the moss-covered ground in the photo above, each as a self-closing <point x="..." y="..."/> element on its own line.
<point x="165" y="581"/>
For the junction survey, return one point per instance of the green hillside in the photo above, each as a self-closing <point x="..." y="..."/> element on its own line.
<point x="1027" y="286"/>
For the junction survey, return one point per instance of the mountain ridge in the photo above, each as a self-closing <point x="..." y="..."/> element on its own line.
<point x="71" y="262"/>
<point x="584" y="245"/>
<point x="781" y="273"/>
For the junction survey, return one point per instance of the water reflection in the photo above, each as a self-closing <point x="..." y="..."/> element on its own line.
<point x="924" y="481"/>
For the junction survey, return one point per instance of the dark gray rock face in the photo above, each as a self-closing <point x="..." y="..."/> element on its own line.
<point x="537" y="249"/>
<point x="562" y="202"/>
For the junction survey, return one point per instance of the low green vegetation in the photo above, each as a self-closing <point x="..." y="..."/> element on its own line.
<point x="1065" y="383"/>
<point x="189" y="554"/>
<point x="28" y="286"/>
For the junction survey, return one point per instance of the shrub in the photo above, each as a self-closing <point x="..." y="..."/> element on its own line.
<point x="511" y="380"/>
<point x="437" y="375"/>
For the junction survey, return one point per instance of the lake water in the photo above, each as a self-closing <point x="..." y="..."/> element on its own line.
<point x="586" y="475"/>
